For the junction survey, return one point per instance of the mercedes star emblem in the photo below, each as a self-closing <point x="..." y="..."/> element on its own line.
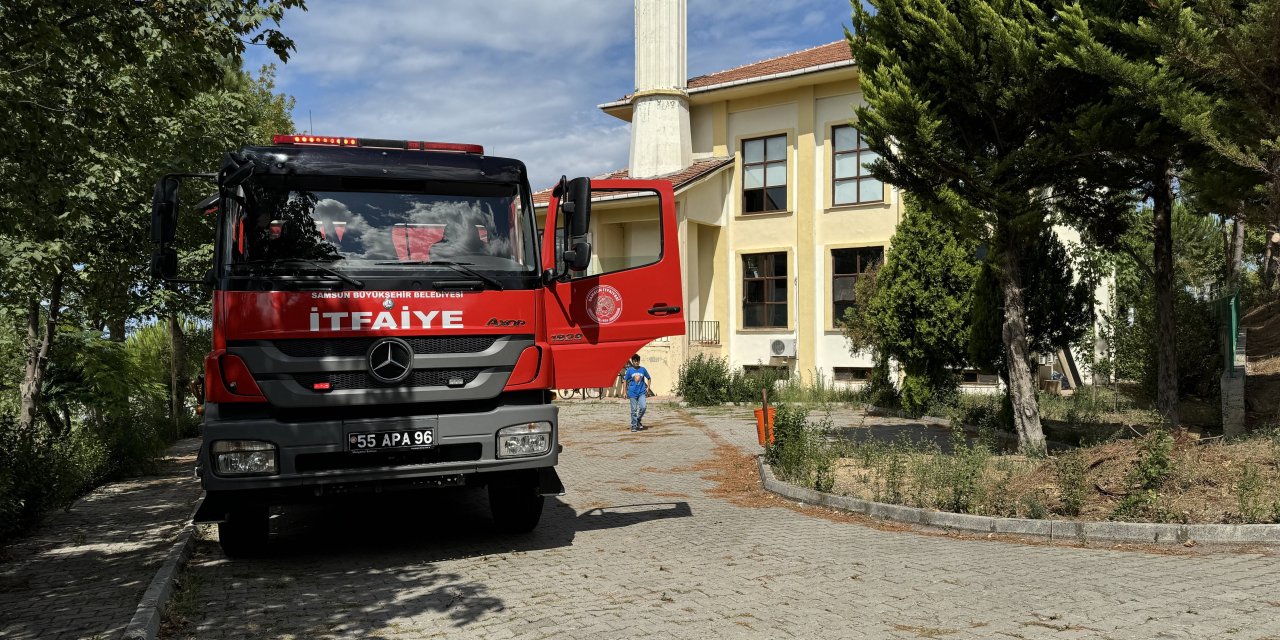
<point x="388" y="303"/>
<point x="390" y="360"/>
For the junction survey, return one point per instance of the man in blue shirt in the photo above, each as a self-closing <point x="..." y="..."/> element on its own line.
<point x="637" y="378"/>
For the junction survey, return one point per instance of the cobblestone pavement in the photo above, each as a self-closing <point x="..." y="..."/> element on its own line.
<point x="81" y="573"/>
<point x="653" y="541"/>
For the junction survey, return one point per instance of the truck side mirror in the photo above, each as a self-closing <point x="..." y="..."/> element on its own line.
<point x="164" y="211"/>
<point x="164" y="263"/>
<point x="575" y="206"/>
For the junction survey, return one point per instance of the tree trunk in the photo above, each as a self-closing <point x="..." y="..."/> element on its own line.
<point x="177" y="360"/>
<point x="115" y="327"/>
<point x="1271" y="258"/>
<point x="38" y="347"/>
<point x="1166" y="325"/>
<point x="1235" y="252"/>
<point x="1271" y="263"/>
<point x="1022" y="390"/>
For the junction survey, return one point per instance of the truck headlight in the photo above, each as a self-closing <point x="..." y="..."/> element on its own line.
<point x="243" y="457"/>
<point x="530" y="439"/>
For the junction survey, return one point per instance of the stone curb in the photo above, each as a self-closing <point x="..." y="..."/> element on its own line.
<point x="146" y="619"/>
<point x="1053" y="529"/>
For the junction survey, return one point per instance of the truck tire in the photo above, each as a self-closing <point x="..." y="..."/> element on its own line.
<point x="516" y="508"/>
<point x="245" y="531"/>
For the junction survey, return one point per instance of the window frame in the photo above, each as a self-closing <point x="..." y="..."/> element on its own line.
<point x="852" y="375"/>
<point x="860" y="147"/>
<point x="835" y="321"/>
<point x="765" y="163"/>
<point x="768" y="267"/>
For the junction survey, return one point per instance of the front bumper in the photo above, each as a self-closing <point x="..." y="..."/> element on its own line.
<point x="314" y="454"/>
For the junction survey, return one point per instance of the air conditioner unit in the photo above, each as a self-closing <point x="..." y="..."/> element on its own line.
<point x="782" y="347"/>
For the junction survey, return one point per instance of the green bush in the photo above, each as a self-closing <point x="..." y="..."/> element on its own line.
<point x="704" y="381"/>
<point x="915" y="395"/>
<point x="962" y="474"/>
<point x="107" y="412"/>
<point x="1254" y="508"/>
<point x="1070" y="471"/>
<point x="39" y="471"/>
<point x="879" y="390"/>
<point x="1146" y="478"/>
<point x="800" y="452"/>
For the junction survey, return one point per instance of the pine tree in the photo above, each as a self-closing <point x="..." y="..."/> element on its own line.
<point x="972" y="110"/>
<point x="1099" y="37"/>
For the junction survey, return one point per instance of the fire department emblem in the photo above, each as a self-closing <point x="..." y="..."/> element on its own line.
<point x="604" y="304"/>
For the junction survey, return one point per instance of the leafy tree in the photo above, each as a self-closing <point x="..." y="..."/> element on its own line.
<point x="87" y="97"/>
<point x="973" y="111"/>
<point x="1198" y="256"/>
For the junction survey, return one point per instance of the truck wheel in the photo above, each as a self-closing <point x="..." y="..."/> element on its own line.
<point x="516" y="508"/>
<point x="245" y="531"/>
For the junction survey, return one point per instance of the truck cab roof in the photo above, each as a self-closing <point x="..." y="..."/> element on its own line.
<point x="365" y="162"/>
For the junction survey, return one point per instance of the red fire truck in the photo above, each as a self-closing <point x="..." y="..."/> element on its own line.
<point x="388" y="315"/>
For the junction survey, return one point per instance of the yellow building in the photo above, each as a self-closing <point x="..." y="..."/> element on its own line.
<point x="777" y="215"/>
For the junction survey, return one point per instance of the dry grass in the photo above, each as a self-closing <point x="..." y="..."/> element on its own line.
<point x="1207" y="481"/>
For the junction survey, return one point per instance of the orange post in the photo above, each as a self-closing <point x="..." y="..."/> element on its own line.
<point x="764" y="428"/>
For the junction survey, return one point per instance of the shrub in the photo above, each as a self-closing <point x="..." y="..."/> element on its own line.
<point x="915" y="395"/>
<point x="962" y="473"/>
<point x="1070" y="471"/>
<point x="39" y="471"/>
<point x="1253" y="508"/>
<point x="703" y="380"/>
<point x="800" y="452"/>
<point x="879" y="390"/>
<point x="1146" y="477"/>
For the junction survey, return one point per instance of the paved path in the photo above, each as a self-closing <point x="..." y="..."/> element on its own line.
<point x="664" y="534"/>
<point x="81" y="573"/>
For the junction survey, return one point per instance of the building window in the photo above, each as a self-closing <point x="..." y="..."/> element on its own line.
<point x="764" y="290"/>
<point x="771" y="373"/>
<point x="974" y="378"/>
<point x="851" y="374"/>
<point x="850" y="181"/>
<point x="764" y="174"/>
<point x="846" y="266"/>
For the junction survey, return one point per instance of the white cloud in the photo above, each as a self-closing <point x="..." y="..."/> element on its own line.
<point x="520" y="77"/>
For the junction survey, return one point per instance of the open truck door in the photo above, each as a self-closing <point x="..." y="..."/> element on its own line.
<point x="611" y="255"/>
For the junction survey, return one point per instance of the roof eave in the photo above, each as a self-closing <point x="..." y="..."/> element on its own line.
<point x="677" y="189"/>
<point x="621" y="109"/>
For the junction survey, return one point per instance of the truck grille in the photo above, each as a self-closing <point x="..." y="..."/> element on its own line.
<point x="362" y="380"/>
<point x="350" y="347"/>
<point x="342" y="460"/>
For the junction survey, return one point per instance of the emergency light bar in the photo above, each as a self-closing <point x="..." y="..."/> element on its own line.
<point x="376" y="143"/>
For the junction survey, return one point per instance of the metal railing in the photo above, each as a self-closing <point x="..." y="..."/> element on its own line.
<point x="704" y="332"/>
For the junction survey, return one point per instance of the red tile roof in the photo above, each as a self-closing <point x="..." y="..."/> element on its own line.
<point x="792" y="62"/>
<point x="819" y="57"/>
<point x="678" y="180"/>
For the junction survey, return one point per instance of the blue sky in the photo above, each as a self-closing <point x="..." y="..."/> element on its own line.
<point x="521" y="77"/>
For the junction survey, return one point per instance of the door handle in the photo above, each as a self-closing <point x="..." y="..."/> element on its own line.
<point x="660" y="309"/>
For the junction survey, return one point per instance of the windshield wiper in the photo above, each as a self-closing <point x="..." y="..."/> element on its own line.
<point x="310" y="263"/>
<point x="463" y="267"/>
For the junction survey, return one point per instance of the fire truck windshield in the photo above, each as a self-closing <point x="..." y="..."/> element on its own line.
<point x="483" y="225"/>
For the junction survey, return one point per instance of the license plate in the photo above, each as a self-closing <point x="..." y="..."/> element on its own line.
<point x="399" y="439"/>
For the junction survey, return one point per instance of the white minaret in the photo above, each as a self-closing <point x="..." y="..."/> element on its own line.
<point x="660" y="138"/>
